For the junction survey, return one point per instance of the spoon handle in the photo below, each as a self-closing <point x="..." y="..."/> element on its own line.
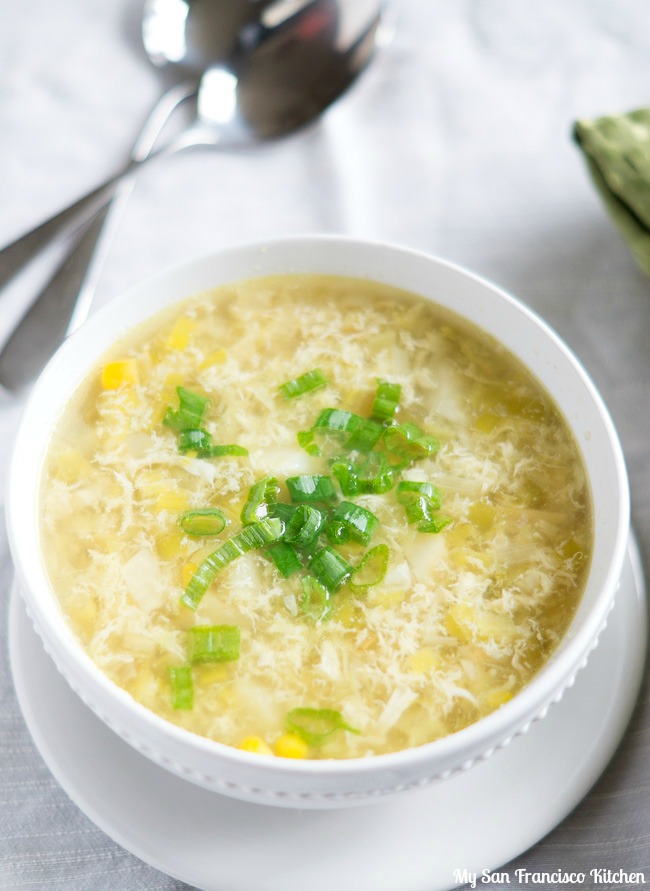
<point x="15" y="256"/>
<point x="64" y="302"/>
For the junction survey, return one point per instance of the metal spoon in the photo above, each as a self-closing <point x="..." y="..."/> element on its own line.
<point x="64" y="302"/>
<point x="282" y="73"/>
<point x="45" y="325"/>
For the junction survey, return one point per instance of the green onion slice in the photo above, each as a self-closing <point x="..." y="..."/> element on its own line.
<point x="195" y="440"/>
<point x="386" y="401"/>
<point x="285" y="557"/>
<point x="365" y="436"/>
<point x="338" y="532"/>
<point x="315" y="725"/>
<point x="213" y="643"/>
<point x="372" y="568"/>
<point x="419" y="509"/>
<point x="315" y="600"/>
<point x="283" y="511"/>
<point x="257" y="535"/>
<point x="435" y="524"/>
<point x="409" y="443"/>
<point x="408" y="490"/>
<point x="200" y="441"/>
<point x="330" y="568"/>
<point x="310" y="487"/>
<point x="260" y="496"/>
<point x="304" y="527"/>
<point x="217" y="451"/>
<point x="206" y="521"/>
<point x="190" y="413"/>
<point x="306" y="441"/>
<point x="372" y="477"/>
<point x="306" y="383"/>
<point x="361" y="523"/>
<point x="182" y="685"/>
<point x="336" y="420"/>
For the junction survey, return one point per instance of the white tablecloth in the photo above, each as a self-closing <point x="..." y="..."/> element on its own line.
<point x="457" y="141"/>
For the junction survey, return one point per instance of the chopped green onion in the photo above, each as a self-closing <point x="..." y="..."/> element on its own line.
<point x="365" y="436"/>
<point x="218" y="451"/>
<point x="409" y="443"/>
<point x="260" y="496"/>
<point x="338" y="532"/>
<point x="282" y="511"/>
<point x="306" y="441"/>
<point x="304" y="527"/>
<point x="285" y="557"/>
<point x="373" y="477"/>
<point x="408" y="490"/>
<point x="314" y="601"/>
<point x="330" y="568"/>
<point x="190" y="413"/>
<point x="386" y="401"/>
<point x="256" y="535"/>
<point x="206" y="521"/>
<point x="336" y="420"/>
<point x="200" y="441"/>
<point x="310" y="487"/>
<point x="195" y="440"/>
<point x="180" y="679"/>
<point x="315" y="725"/>
<point x="419" y="509"/>
<point x="435" y="524"/>
<point x="213" y="643"/>
<point x="306" y="383"/>
<point x="372" y="568"/>
<point x="361" y="523"/>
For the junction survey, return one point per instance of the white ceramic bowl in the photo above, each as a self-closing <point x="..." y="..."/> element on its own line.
<point x="318" y="784"/>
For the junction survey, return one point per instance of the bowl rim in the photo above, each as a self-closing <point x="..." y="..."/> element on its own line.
<point x="529" y="703"/>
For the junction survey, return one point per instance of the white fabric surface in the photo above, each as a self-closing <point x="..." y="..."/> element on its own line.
<point x="457" y="141"/>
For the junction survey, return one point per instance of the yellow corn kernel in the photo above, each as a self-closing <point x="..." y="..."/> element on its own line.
<point x="179" y="336"/>
<point x="498" y="697"/>
<point x="388" y="597"/>
<point x="570" y="548"/>
<point x="145" y="685"/>
<point x="69" y="466"/>
<point x="423" y="660"/>
<point x="482" y="515"/>
<point x="291" y="746"/>
<point x="84" y="614"/>
<point x="121" y="373"/>
<point x="357" y="400"/>
<point x="169" y="546"/>
<point x="458" y="534"/>
<point x="256" y="745"/>
<point x="218" y="357"/>
<point x="345" y="613"/>
<point x="458" y="621"/>
<point x="187" y="572"/>
<point x="486" y="422"/>
<point x="206" y="675"/>
<point x="228" y="696"/>
<point x="171" y="500"/>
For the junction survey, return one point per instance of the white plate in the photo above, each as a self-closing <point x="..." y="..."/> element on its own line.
<point x="477" y="820"/>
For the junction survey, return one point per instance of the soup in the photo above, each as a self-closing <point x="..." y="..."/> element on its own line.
<point x="315" y="517"/>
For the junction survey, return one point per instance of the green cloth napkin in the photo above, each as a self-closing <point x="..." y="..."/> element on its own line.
<point x="617" y="150"/>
